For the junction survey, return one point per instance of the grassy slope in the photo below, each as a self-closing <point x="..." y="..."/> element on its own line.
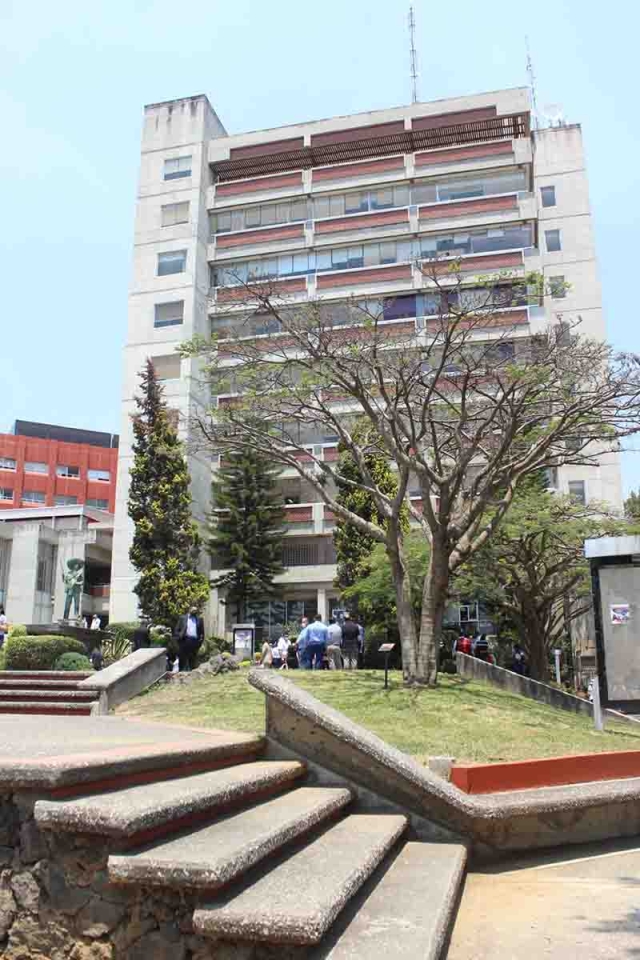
<point x="464" y="719"/>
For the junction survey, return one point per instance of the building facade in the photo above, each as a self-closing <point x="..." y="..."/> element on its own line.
<point x="331" y="209"/>
<point x="44" y="465"/>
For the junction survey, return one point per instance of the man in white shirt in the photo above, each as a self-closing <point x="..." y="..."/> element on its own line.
<point x="283" y="650"/>
<point x="334" y="646"/>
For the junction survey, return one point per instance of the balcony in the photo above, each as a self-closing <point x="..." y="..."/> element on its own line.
<point x="308" y="518"/>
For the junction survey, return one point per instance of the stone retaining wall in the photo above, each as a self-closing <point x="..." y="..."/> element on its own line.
<point x="56" y="903"/>
<point x="475" y="669"/>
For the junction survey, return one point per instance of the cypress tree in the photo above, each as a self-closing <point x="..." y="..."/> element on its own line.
<point x="166" y="545"/>
<point x="246" y="528"/>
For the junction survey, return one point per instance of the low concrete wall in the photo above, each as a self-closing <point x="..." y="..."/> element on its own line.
<point x="127" y="678"/>
<point x="475" y="669"/>
<point x="495" y="824"/>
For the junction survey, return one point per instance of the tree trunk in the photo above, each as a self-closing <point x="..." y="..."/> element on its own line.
<point x="434" y="601"/>
<point x="535" y="643"/>
<point x="404" y="607"/>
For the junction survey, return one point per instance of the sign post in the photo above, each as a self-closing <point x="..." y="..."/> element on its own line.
<point x="598" y="719"/>
<point x="556" y="654"/>
<point x="386" y="648"/>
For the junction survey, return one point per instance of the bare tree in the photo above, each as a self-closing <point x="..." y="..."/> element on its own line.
<point x="466" y="407"/>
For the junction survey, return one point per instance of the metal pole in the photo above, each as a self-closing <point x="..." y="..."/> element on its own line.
<point x="386" y="671"/>
<point x="598" y="718"/>
<point x="556" y="654"/>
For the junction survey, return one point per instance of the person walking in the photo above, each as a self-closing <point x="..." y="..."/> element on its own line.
<point x="302" y="641"/>
<point x="350" y="643"/>
<point x="4" y="626"/>
<point x="316" y="645"/>
<point x="189" y="634"/>
<point x="480" y="648"/>
<point x="283" y="650"/>
<point x="518" y="659"/>
<point x="334" y="645"/>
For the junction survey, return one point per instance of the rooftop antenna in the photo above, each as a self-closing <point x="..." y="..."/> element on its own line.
<point x="532" y="83"/>
<point x="414" y="56"/>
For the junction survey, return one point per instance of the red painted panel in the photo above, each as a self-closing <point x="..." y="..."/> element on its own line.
<point x="466" y="208"/>
<point x="357" y="133"/>
<point x="282" y="287"/>
<point x="257" y="185"/>
<point x="366" y="220"/>
<point x="266" y="149"/>
<point x="498" y="261"/>
<point x="345" y="170"/>
<point x="438" y="120"/>
<point x="330" y="454"/>
<point x="450" y="155"/>
<point x="299" y="514"/>
<point x="373" y="275"/>
<point x="270" y="235"/>
<point x="548" y="772"/>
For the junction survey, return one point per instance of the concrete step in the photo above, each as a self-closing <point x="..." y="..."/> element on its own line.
<point x="299" y="899"/>
<point x="409" y="911"/>
<point x="13" y="675"/>
<point x="39" y="683"/>
<point x="11" y="693"/>
<point x="63" y="707"/>
<point x="212" y="856"/>
<point x="170" y="804"/>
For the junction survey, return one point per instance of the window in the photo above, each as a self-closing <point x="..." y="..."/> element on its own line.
<point x="557" y="287"/>
<point x="552" y="240"/>
<point x="177" y="168"/>
<point x="397" y="308"/>
<point x="167" y="367"/>
<point x="33" y="496"/>
<point x="63" y="470"/>
<point x="46" y="568"/>
<point x="34" y="466"/>
<point x="103" y="475"/>
<point x="577" y="491"/>
<point x="174" y="261"/>
<point x="7" y="463"/>
<point x="6" y="493"/>
<point x="548" y="196"/>
<point x="173" y="213"/>
<point x="169" y="314"/>
<point x="64" y="500"/>
<point x="98" y="504"/>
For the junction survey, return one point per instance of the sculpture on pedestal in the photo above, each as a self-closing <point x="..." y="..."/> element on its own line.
<point x="73" y="581"/>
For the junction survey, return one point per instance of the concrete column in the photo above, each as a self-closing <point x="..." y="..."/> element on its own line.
<point x="323" y="606"/>
<point x="21" y="590"/>
<point x="318" y="516"/>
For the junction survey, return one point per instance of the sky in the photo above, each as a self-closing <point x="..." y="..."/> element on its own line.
<point x="74" y="77"/>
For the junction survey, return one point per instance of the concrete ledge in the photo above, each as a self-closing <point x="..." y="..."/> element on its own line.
<point x="495" y="823"/>
<point x="126" y="678"/>
<point x="475" y="669"/>
<point x="547" y="772"/>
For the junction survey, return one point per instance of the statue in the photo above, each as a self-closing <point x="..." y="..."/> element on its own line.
<point x="73" y="580"/>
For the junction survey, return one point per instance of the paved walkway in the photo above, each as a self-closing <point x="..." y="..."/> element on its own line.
<point x="581" y="902"/>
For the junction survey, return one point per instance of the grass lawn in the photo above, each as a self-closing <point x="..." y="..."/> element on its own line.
<point x="465" y="719"/>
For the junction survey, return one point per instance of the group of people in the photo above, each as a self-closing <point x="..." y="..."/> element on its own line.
<point x="335" y="646"/>
<point x="96" y="623"/>
<point x="478" y="646"/>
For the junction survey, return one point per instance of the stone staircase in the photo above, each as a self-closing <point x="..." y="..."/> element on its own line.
<point x="259" y="851"/>
<point x="45" y="692"/>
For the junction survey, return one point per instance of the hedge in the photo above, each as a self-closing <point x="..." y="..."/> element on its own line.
<point x="73" y="661"/>
<point x="38" y="653"/>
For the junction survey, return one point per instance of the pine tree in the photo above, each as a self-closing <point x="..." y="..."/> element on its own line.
<point x="246" y="529"/>
<point x="166" y="544"/>
<point x="353" y="548"/>
<point x="632" y="506"/>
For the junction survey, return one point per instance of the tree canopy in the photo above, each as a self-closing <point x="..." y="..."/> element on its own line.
<point x="166" y="545"/>
<point x="246" y="528"/>
<point x="466" y="404"/>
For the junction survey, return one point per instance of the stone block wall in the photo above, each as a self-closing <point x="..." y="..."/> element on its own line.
<point x="56" y="903"/>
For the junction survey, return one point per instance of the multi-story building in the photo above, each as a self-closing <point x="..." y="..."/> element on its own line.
<point x="334" y="208"/>
<point x="57" y="498"/>
<point x="43" y="464"/>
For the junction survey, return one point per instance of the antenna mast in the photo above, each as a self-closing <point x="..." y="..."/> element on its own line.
<point x="532" y="83"/>
<point x="414" y="56"/>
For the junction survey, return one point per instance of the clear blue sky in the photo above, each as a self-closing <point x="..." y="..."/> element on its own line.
<point x="74" y="77"/>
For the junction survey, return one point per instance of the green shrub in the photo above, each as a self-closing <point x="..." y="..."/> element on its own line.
<point x="115" y="648"/>
<point x="163" y="637"/>
<point x="38" y="653"/>
<point x="17" y="630"/>
<point x="212" y="647"/>
<point x="123" y="629"/>
<point x="73" y="661"/>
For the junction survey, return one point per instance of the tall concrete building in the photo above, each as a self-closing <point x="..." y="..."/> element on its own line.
<point x="333" y="208"/>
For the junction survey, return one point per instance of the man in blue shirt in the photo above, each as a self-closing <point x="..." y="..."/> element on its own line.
<point x="317" y="635"/>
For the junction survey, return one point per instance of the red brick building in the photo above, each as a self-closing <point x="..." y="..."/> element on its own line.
<point x="46" y="465"/>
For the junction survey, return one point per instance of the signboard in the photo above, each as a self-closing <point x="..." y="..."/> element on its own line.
<point x="386" y="648"/>
<point x="620" y="613"/>
<point x="244" y="641"/>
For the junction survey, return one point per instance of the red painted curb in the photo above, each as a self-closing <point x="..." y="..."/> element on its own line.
<point x="548" y="772"/>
